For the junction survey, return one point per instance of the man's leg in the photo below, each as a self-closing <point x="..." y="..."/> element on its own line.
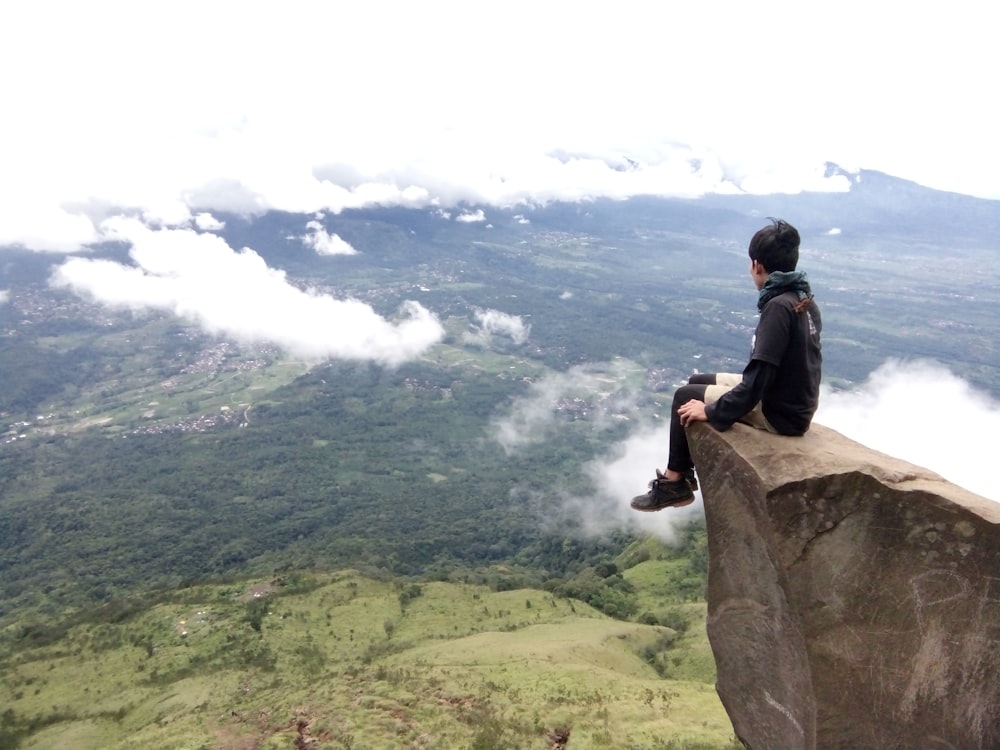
<point x="676" y="487"/>
<point x="679" y="457"/>
<point x="702" y="386"/>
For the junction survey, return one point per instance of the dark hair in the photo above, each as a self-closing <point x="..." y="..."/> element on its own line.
<point x="776" y="247"/>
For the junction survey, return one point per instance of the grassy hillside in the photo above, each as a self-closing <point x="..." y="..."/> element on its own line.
<point x="339" y="660"/>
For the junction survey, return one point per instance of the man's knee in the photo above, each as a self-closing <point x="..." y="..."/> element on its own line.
<point x="687" y="392"/>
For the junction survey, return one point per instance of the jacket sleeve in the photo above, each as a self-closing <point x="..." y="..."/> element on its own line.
<point x="733" y="404"/>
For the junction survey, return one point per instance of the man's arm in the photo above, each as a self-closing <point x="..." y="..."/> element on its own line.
<point x="732" y="405"/>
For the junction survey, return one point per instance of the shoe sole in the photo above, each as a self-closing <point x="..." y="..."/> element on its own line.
<point x="678" y="504"/>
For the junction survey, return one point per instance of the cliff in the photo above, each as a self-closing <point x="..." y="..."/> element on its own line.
<point x="853" y="598"/>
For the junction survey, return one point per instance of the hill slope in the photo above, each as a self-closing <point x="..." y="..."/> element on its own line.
<point x="346" y="661"/>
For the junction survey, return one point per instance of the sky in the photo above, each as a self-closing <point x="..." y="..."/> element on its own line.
<point x="145" y="122"/>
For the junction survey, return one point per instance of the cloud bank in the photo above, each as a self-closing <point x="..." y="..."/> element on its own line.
<point x="358" y="104"/>
<point x="925" y="414"/>
<point x="918" y="411"/>
<point x="200" y="278"/>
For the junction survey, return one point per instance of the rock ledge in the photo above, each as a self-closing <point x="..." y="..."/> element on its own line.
<point x="853" y="598"/>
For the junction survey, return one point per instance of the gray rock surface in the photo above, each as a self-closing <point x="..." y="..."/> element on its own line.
<point x="853" y="598"/>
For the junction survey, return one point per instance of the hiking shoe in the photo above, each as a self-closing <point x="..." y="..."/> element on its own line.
<point x="664" y="494"/>
<point x="689" y="476"/>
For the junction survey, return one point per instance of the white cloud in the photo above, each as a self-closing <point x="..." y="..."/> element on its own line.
<point x="622" y="473"/>
<point x="615" y="477"/>
<point x="492" y="323"/>
<point x="40" y="226"/>
<point x="208" y="223"/>
<point x="923" y="413"/>
<point x="600" y="393"/>
<point x="235" y="294"/>
<point x="471" y="217"/>
<point x="324" y="243"/>
<point x="4" y="296"/>
<point x="671" y="102"/>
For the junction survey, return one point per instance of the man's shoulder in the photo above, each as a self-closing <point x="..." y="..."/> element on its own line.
<point x="782" y="314"/>
<point x="787" y="299"/>
<point x="778" y="307"/>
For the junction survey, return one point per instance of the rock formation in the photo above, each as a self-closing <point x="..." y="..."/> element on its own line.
<point x="853" y="598"/>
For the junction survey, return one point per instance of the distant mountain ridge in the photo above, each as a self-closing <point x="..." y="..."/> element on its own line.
<point x="877" y="204"/>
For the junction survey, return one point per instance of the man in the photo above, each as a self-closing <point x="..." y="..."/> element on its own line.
<point x="779" y="388"/>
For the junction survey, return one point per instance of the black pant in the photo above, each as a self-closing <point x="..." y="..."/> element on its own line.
<point x="679" y="458"/>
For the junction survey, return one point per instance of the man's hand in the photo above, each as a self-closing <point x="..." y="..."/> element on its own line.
<point x="692" y="411"/>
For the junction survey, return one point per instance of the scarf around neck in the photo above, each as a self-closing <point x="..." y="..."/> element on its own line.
<point x="780" y="282"/>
